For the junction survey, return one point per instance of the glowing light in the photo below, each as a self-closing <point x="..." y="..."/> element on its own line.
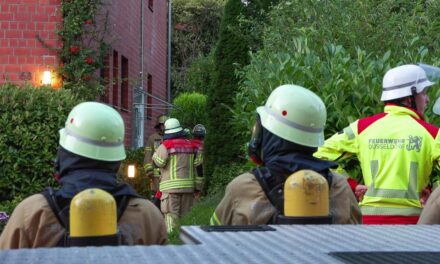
<point x="131" y="171"/>
<point x="47" y="78"/>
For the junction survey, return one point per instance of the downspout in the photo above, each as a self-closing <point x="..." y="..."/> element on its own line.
<point x="169" y="53"/>
<point x="142" y="74"/>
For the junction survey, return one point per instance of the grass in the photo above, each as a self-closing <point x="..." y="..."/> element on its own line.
<point x="200" y="214"/>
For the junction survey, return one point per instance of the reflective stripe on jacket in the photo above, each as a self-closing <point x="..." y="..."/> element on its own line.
<point x="397" y="151"/>
<point x="177" y="158"/>
<point x="153" y="142"/>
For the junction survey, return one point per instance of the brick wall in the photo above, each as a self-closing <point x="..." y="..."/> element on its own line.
<point x="125" y="39"/>
<point x="22" y="57"/>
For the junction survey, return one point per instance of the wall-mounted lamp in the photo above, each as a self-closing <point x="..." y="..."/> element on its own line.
<point x="131" y="171"/>
<point x="47" y="78"/>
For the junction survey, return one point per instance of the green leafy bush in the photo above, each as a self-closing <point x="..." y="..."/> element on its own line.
<point x="199" y="76"/>
<point x="190" y="109"/>
<point x="306" y="43"/>
<point x="223" y="174"/>
<point x="30" y="119"/>
<point x="196" y="25"/>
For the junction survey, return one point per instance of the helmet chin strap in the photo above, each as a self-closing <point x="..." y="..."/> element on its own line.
<point x="413" y="97"/>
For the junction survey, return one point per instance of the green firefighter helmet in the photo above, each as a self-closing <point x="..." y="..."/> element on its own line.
<point x="172" y="126"/>
<point x="295" y="114"/>
<point x="95" y="131"/>
<point x="160" y="121"/>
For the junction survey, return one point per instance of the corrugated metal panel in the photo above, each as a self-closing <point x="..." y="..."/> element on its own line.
<point x="288" y="244"/>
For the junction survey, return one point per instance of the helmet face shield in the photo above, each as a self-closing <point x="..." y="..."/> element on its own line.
<point x="254" y="146"/>
<point x="436" y="107"/>
<point x="432" y="72"/>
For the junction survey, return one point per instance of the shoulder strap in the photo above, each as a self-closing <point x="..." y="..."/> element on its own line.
<point x="274" y="190"/>
<point x="59" y="213"/>
<point x="122" y="205"/>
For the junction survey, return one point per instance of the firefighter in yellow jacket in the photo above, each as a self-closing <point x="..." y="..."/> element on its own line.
<point x="396" y="149"/>
<point x="176" y="158"/>
<point x="153" y="142"/>
<point x="90" y="152"/>
<point x="287" y="131"/>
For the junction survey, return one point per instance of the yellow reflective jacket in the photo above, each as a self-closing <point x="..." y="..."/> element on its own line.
<point x="397" y="150"/>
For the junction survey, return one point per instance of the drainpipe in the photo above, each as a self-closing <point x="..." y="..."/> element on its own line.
<point x="142" y="74"/>
<point x="169" y="52"/>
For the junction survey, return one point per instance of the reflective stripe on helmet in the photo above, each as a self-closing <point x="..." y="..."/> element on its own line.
<point x="404" y="85"/>
<point x="291" y="123"/>
<point x="91" y="141"/>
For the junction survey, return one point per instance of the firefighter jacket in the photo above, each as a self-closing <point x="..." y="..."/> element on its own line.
<point x="176" y="159"/>
<point x="245" y="203"/>
<point x="198" y="170"/>
<point x="396" y="150"/>
<point x="431" y="213"/>
<point x="33" y="224"/>
<point x="153" y="142"/>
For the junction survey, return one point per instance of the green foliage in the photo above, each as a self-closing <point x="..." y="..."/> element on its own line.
<point x="196" y="24"/>
<point x="223" y="174"/>
<point x="30" y="119"/>
<point x="82" y="53"/>
<point x="190" y="109"/>
<point x="306" y="43"/>
<point x="231" y="50"/>
<point x="199" y="76"/>
<point x="140" y="182"/>
<point x="302" y="46"/>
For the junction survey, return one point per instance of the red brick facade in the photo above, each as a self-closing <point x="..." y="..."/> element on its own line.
<point x="23" y="58"/>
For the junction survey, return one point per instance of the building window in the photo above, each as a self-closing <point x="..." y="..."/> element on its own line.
<point x="150" y="4"/>
<point x="124" y="82"/>
<point x="116" y="96"/>
<point x="104" y="73"/>
<point x="149" y="97"/>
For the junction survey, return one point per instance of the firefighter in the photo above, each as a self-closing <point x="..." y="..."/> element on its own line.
<point x="199" y="133"/>
<point x="396" y="149"/>
<point x="431" y="212"/>
<point x="153" y="142"/>
<point x="176" y="158"/>
<point x="90" y="153"/>
<point x="287" y="131"/>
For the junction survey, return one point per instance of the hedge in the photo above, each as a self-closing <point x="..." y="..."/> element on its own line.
<point x="30" y="118"/>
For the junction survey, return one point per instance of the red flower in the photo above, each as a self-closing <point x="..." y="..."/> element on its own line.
<point x="89" y="60"/>
<point x="74" y="49"/>
<point x="88" y="22"/>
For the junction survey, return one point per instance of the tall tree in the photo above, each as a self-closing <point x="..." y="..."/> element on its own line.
<point x="196" y="27"/>
<point x="237" y="37"/>
<point x="232" y="49"/>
